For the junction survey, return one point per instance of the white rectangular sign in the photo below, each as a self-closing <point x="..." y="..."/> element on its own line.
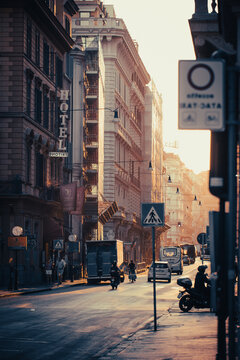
<point x="201" y="95"/>
<point x="58" y="154"/>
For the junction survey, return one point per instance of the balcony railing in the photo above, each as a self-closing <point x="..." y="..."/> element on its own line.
<point x="11" y="187"/>
<point x="92" y="90"/>
<point x="92" y="140"/>
<point x="91" y="66"/>
<point x="135" y="181"/>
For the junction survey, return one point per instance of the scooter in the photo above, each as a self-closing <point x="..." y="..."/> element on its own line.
<point x="132" y="276"/>
<point x="189" y="297"/>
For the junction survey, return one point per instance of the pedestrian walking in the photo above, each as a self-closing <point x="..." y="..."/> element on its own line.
<point x="48" y="271"/>
<point x="60" y="269"/>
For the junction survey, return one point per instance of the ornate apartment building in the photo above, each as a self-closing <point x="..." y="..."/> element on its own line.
<point x="124" y="89"/>
<point x="35" y="36"/>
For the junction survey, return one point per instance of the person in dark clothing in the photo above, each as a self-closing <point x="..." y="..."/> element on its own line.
<point x="132" y="270"/>
<point x="200" y="280"/>
<point x="132" y="266"/>
<point x="115" y="271"/>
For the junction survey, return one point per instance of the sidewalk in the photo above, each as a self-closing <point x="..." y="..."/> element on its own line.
<point x="40" y="288"/>
<point x="179" y="336"/>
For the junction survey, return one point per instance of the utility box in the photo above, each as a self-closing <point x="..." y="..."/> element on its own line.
<point x="100" y="256"/>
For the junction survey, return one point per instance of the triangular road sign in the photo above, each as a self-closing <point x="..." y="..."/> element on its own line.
<point x="152" y="217"/>
<point x="58" y="245"/>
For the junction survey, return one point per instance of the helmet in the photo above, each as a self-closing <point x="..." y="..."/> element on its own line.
<point x="202" y="268"/>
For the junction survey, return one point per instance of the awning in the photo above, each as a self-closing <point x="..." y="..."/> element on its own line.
<point x="106" y="211"/>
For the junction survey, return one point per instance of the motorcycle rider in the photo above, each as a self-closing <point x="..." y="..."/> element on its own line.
<point x="200" y="280"/>
<point x="132" y="269"/>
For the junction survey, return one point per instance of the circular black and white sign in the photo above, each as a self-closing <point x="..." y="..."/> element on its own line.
<point x="200" y="77"/>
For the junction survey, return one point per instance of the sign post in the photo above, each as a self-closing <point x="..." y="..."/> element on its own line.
<point x="202" y="240"/>
<point x="201" y="95"/>
<point x="153" y="215"/>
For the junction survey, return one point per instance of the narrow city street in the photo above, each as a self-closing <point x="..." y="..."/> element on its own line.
<point x="83" y="322"/>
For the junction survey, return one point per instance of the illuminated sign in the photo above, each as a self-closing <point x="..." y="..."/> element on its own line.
<point x="17" y="242"/>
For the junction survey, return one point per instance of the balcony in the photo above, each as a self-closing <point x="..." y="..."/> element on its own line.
<point x="90" y="207"/>
<point x="92" y="168"/>
<point x="91" y="141"/>
<point x="92" y="191"/>
<point x="11" y="187"/>
<point x="91" y="116"/>
<point x="91" y="67"/>
<point x="96" y="24"/>
<point x="135" y="181"/>
<point x="92" y="92"/>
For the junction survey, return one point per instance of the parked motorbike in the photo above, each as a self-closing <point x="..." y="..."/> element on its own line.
<point x="132" y="276"/>
<point x="189" y="297"/>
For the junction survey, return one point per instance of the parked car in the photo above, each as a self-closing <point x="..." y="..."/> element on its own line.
<point x="162" y="271"/>
<point x="186" y="260"/>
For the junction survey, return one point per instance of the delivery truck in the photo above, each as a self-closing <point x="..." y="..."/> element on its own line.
<point x="100" y="256"/>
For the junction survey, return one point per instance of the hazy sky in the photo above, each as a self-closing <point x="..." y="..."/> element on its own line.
<point x="162" y="31"/>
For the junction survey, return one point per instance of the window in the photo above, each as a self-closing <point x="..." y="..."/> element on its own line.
<point x="37" y="47"/>
<point x="29" y="88"/>
<point x="29" y="38"/>
<point x="52" y="113"/>
<point x="59" y="71"/>
<point x="85" y="14"/>
<point x="46" y="111"/>
<point x="52" y="64"/>
<point x="27" y="226"/>
<point x="38" y="105"/>
<point x="46" y="57"/>
<point x="28" y="163"/>
<point x="67" y="25"/>
<point x="39" y="175"/>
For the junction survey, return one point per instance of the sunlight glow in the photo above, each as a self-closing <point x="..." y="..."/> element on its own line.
<point x="162" y="32"/>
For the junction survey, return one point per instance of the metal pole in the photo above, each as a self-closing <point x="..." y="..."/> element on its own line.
<point x="221" y="285"/>
<point x="232" y="144"/>
<point x="16" y="271"/>
<point x="154" y="279"/>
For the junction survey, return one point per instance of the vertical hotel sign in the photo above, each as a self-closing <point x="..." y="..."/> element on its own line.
<point x="63" y="127"/>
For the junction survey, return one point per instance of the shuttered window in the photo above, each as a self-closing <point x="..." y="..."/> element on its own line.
<point x="29" y="38"/>
<point x="37" y="47"/>
<point x="29" y="87"/>
<point x="38" y="105"/>
<point x="46" y="111"/>
<point x="39" y="176"/>
<point x="59" y="72"/>
<point x="46" y="57"/>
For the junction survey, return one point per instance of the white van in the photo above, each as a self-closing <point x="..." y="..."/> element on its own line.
<point x="162" y="271"/>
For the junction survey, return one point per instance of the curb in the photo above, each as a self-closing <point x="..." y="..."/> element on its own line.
<point x="32" y="291"/>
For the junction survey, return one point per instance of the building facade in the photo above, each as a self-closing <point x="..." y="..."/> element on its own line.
<point x="124" y="89"/>
<point x="35" y="38"/>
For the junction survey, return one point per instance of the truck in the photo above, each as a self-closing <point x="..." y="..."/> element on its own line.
<point x="190" y="251"/>
<point x="100" y="256"/>
<point x="174" y="256"/>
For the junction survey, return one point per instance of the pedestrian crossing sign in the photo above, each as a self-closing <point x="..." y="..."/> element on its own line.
<point x="58" y="244"/>
<point x="152" y="214"/>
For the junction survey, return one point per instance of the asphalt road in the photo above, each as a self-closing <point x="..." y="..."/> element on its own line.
<point x="81" y="322"/>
